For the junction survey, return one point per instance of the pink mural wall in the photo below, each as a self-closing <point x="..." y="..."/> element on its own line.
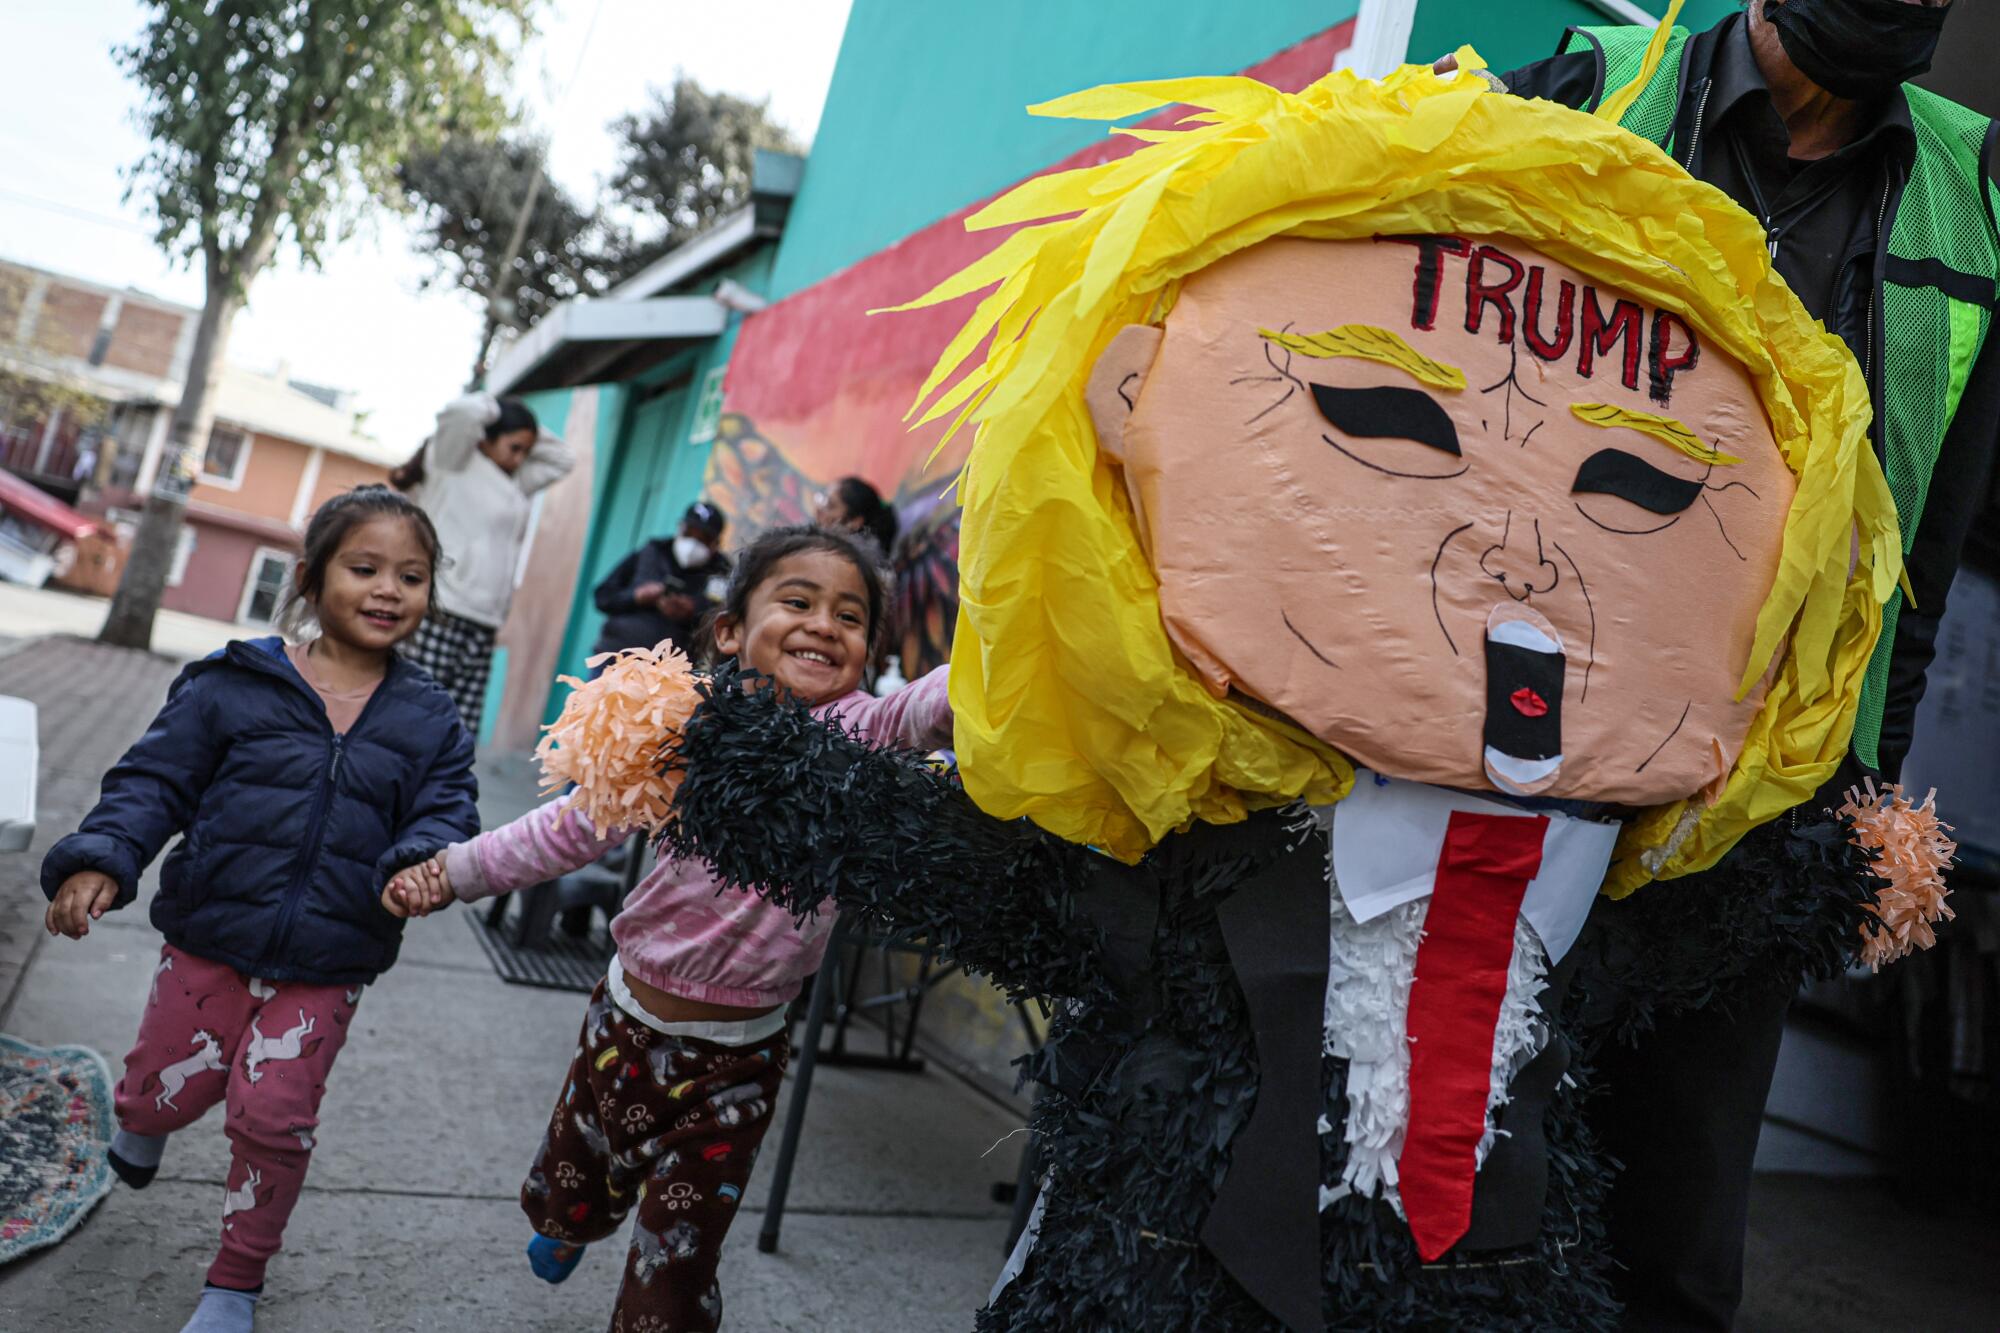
<point x="817" y="388"/>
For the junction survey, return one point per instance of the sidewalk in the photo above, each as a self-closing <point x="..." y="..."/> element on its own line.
<point x="26" y="613"/>
<point x="409" y="1220"/>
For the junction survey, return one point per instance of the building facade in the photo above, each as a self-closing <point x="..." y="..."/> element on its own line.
<point x="89" y="379"/>
<point x="924" y="122"/>
<point x="914" y="138"/>
<point x="276" y="452"/>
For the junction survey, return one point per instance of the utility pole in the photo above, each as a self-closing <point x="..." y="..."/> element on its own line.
<point x="497" y="306"/>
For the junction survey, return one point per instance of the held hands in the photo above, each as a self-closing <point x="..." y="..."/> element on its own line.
<point x="83" y="898"/>
<point x="418" y="890"/>
<point x="648" y="594"/>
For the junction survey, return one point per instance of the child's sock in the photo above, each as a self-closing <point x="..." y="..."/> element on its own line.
<point x="135" y="1157"/>
<point x="224" y="1310"/>
<point x="553" y="1260"/>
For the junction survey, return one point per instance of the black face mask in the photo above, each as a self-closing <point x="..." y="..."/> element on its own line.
<point x="1858" y="49"/>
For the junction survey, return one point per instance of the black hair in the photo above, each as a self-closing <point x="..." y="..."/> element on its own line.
<point x="329" y="527"/>
<point x="514" y="415"/>
<point x="865" y="503"/>
<point x="754" y="563"/>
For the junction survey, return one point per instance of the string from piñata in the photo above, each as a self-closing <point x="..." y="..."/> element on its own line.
<point x="611" y="734"/>
<point x="1911" y="853"/>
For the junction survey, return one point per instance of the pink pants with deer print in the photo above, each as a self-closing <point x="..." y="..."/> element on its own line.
<point x="211" y="1034"/>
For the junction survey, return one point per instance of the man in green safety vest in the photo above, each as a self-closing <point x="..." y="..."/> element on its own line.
<point x="1879" y="204"/>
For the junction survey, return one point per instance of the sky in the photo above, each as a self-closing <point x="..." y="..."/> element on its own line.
<point x="359" y="321"/>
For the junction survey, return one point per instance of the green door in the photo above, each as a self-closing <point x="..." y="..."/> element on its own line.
<point x="633" y="508"/>
<point x="629" y="510"/>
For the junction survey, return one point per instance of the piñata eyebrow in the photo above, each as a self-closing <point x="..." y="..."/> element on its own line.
<point x="1369" y="343"/>
<point x="1664" y="429"/>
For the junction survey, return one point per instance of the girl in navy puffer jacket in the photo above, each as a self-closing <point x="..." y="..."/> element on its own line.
<point x="301" y="779"/>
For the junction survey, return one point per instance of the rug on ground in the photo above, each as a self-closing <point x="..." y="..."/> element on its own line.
<point x="55" y="1120"/>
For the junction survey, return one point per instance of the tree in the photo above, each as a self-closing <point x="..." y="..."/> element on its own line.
<point x="277" y="120"/>
<point x="468" y="193"/>
<point x="38" y="375"/>
<point x="686" y="162"/>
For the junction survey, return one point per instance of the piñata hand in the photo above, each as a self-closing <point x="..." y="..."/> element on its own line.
<point x="1911" y="853"/>
<point x="612" y="736"/>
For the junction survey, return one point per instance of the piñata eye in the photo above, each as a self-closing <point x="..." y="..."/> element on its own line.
<point x="1390" y="413"/>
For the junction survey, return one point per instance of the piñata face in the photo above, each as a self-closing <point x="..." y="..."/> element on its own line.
<point x="1464" y="514"/>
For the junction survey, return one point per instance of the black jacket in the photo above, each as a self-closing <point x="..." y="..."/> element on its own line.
<point x="1962" y="482"/>
<point x="289" y="830"/>
<point x="630" y="625"/>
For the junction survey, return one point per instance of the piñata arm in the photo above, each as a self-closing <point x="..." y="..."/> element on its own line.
<point x="788" y="806"/>
<point x="1797" y="899"/>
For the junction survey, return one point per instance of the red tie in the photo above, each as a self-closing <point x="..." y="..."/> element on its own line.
<point x="1454" y="1005"/>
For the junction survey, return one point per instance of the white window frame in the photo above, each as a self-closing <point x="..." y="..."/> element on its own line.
<point x="183" y="552"/>
<point x="257" y="559"/>
<point x="233" y="481"/>
<point x="1381" y="38"/>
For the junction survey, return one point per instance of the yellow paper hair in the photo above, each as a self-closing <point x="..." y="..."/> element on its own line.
<point x="611" y="735"/>
<point x="1617" y="102"/>
<point x="1664" y="429"/>
<point x="1370" y="344"/>
<point x="1072" y="707"/>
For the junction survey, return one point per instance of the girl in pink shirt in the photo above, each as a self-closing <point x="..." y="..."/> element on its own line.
<point x="684" y="1042"/>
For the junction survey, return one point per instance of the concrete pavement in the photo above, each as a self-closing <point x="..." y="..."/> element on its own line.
<point x="408" y="1221"/>
<point x="29" y="612"/>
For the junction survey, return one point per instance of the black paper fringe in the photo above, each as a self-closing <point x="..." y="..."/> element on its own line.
<point x="1150" y="1075"/>
<point x="1787" y="904"/>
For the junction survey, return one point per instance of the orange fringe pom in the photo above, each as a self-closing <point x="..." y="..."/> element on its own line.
<point x="610" y="737"/>
<point x="1912" y="853"/>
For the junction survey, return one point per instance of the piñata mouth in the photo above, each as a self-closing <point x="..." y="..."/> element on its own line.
<point x="1524" y="688"/>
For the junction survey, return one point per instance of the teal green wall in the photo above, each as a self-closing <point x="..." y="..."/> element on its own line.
<point x="647" y="471"/>
<point x="1511" y="35"/>
<point x="925" y="113"/>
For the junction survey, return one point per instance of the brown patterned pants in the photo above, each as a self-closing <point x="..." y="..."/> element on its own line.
<point x="669" y="1125"/>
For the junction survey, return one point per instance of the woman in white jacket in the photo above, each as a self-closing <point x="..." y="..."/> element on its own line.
<point x="476" y="477"/>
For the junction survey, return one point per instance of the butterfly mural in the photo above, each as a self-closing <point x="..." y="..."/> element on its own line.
<point x="751" y="479"/>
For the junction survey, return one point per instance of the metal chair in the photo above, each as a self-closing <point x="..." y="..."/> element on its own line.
<point x="897" y="1058"/>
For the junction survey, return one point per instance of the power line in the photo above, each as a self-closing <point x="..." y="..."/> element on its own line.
<point x="70" y="210"/>
<point x="504" y="274"/>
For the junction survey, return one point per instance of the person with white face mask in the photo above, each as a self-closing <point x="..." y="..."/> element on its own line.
<point x="663" y="590"/>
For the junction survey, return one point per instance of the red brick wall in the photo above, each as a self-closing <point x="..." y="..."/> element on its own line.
<point x="14" y="284"/>
<point x="68" y="325"/>
<point x="143" y="339"/>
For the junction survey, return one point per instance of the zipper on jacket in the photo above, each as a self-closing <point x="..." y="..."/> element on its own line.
<point x="1881" y="247"/>
<point x="281" y="938"/>
<point x="1694" y="134"/>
